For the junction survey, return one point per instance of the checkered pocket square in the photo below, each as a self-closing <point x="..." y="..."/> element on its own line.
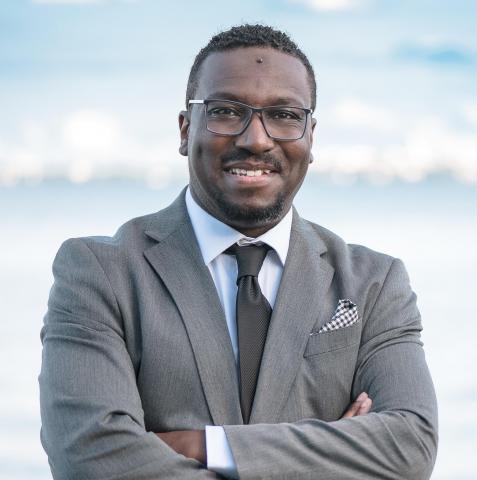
<point x="346" y="314"/>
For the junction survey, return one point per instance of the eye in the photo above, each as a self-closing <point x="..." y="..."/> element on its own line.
<point x="285" y="114"/>
<point x="223" y="111"/>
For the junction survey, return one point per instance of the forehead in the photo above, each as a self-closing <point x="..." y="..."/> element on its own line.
<point x="255" y="75"/>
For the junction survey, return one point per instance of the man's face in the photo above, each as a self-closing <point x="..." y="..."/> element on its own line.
<point x="259" y="77"/>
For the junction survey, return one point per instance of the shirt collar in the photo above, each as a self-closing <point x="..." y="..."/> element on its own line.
<point x="214" y="237"/>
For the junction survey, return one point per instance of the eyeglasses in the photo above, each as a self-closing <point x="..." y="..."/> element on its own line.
<point x="229" y="118"/>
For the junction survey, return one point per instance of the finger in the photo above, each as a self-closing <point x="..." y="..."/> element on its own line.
<point x="365" y="407"/>
<point x="361" y="397"/>
<point x="353" y="409"/>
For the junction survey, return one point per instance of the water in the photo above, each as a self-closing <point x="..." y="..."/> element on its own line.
<point x="431" y="226"/>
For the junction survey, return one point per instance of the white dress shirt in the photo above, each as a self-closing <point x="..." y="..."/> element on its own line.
<point x="214" y="237"/>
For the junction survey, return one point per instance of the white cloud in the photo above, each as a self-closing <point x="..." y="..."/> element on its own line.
<point x="78" y="2"/>
<point x="329" y="5"/>
<point x="66" y="2"/>
<point x="470" y="113"/>
<point x="90" y="143"/>
<point x="429" y="146"/>
<point x="92" y="132"/>
<point x="358" y="114"/>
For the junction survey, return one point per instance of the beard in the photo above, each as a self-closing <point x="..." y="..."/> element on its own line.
<point x="236" y="213"/>
<point x="244" y="214"/>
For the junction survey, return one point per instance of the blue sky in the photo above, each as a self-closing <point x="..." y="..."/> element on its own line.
<point x="92" y="88"/>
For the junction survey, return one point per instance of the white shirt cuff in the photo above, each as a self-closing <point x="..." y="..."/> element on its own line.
<point x="219" y="455"/>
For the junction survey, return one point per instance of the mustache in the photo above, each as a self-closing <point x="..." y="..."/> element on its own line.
<point x="243" y="155"/>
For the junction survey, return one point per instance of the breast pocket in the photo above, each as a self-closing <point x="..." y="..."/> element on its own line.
<point x="325" y="342"/>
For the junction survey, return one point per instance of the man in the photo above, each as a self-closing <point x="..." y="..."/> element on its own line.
<point x="227" y="312"/>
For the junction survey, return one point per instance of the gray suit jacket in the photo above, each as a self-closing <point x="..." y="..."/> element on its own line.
<point x="135" y="342"/>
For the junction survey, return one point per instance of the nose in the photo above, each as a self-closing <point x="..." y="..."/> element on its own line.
<point x="255" y="138"/>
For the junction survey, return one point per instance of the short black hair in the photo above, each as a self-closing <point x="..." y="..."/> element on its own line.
<point x="247" y="35"/>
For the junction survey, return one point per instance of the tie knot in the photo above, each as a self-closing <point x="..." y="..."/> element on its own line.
<point x="249" y="258"/>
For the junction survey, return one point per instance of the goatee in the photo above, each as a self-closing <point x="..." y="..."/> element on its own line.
<point x="253" y="215"/>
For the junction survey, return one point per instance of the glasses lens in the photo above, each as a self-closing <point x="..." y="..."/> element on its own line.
<point x="230" y="118"/>
<point x="286" y="123"/>
<point x="226" y="118"/>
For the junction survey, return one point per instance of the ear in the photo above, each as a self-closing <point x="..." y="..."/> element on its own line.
<point x="184" y="124"/>
<point x="313" y="125"/>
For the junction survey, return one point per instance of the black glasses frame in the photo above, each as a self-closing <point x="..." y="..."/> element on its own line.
<point x="257" y="110"/>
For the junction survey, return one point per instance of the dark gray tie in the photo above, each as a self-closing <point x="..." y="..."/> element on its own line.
<point x="253" y="317"/>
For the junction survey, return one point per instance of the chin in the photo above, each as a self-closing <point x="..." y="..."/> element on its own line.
<point x="251" y="215"/>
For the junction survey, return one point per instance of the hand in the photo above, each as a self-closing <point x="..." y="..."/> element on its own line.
<point x="361" y="406"/>
<point x="190" y="443"/>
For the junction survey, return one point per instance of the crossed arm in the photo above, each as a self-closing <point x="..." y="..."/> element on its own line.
<point x="396" y="440"/>
<point x="191" y="443"/>
<point x="93" y="423"/>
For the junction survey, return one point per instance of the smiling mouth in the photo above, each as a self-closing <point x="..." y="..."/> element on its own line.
<point x="248" y="173"/>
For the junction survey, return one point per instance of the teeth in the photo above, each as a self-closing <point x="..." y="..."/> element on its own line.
<point x="249" y="173"/>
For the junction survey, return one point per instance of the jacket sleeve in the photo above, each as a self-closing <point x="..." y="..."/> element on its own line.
<point x="92" y="418"/>
<point x="396" y="440"/>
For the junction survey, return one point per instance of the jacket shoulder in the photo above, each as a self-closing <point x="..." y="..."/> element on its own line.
<point x="349" y="257"/>
<point x="130" y="234"/>
<point x="123" y="251"/>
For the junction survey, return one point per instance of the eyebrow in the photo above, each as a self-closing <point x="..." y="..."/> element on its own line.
<point x="282" y="100"/>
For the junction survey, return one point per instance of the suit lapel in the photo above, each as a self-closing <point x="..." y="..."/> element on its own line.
<point x="177" y="260"/>
<point x="305" y="281"/>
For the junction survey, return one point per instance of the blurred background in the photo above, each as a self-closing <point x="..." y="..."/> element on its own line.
<point x="89" y="96"/>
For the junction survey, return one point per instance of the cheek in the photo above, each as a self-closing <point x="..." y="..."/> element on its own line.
<point x="299" y="159"/>
<point x="203" y="142"/>
<point x="205" y="157"/>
